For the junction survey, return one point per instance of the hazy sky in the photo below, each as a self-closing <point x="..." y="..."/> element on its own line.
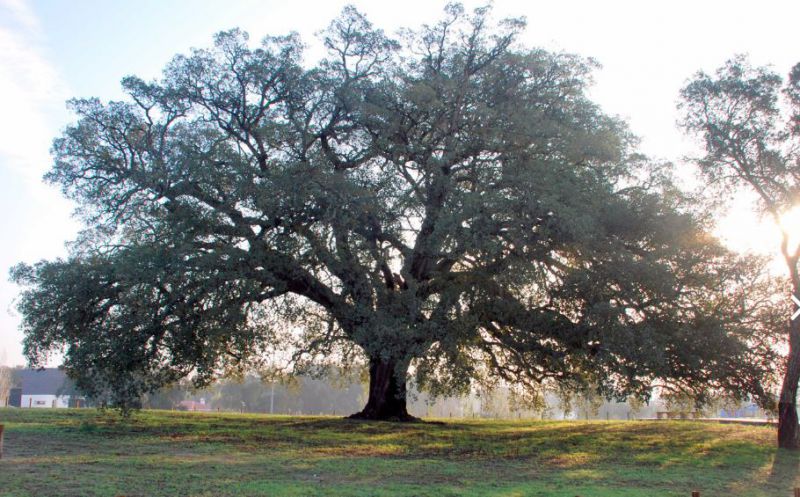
<point x="52" y="50"/>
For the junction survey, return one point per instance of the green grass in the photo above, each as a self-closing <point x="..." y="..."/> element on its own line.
<point x="156" y="453"/>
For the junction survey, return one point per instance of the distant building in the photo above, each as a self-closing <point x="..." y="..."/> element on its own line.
<point x="746" y="411"/>
<point x="44" y="388"/>
<point x="193" y="405"/>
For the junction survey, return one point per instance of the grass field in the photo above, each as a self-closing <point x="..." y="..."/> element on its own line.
<point x="90" y="453"/>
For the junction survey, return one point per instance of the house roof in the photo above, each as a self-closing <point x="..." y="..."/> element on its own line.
<point x="49" y="381"/>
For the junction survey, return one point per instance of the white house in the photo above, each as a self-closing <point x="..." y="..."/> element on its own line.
<point x="42" y="388"/>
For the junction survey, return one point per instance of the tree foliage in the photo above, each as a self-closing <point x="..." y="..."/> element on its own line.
<point x="448" y="203"/>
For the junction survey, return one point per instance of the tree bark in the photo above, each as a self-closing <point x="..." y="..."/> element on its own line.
<point x="387" y="392"/>
<point x="788" y="433"/>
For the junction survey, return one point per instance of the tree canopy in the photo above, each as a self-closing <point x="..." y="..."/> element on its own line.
<point x="448" y="203"/>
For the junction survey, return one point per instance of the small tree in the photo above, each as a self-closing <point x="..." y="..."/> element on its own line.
<point x="6" y="383"/>
<point x="751" y="144"/>
<point x="449" y="204"/>
<point x="588" y="403"/>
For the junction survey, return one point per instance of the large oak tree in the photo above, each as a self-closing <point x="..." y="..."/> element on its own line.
<point x="449" y="204"/>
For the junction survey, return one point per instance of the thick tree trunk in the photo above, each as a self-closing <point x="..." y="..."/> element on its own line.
<point x="387" y="392"/>
<point x="788" y="435"/>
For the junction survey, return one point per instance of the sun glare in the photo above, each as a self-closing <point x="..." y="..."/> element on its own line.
<point x="742" y="230"/>
<point x="790" y="223"/>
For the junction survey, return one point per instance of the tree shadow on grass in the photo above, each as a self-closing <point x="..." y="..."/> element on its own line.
<point x="784" y="472"/>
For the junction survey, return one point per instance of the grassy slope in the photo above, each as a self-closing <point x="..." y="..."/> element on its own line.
<point x="84" y="452"/>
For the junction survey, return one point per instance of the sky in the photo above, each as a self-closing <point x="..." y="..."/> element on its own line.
<point x="52" y="50"/>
